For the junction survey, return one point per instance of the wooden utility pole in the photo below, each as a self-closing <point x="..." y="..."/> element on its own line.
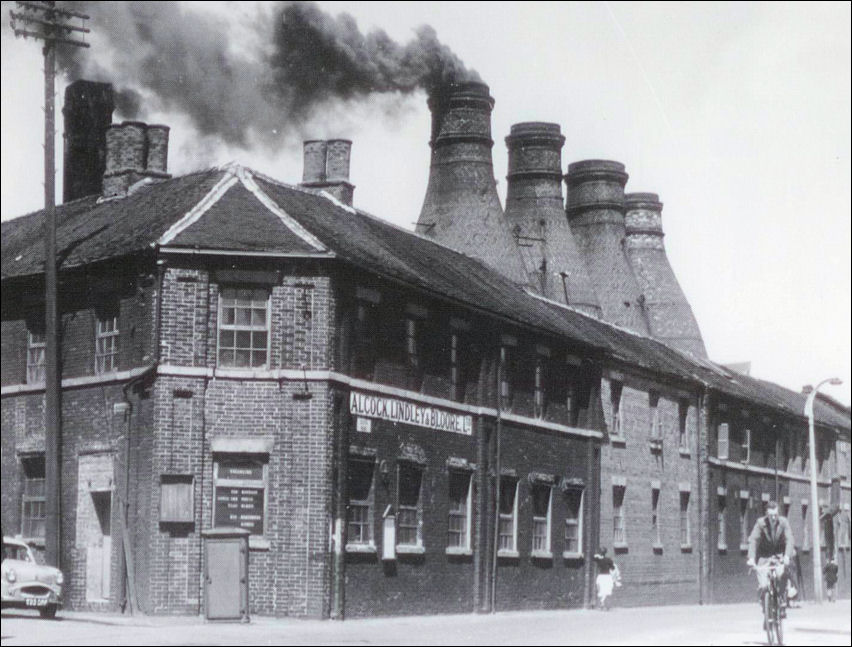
<point x="45" y="22"/>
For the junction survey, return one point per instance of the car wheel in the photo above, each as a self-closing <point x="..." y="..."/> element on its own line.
<point x="48" y="612"/>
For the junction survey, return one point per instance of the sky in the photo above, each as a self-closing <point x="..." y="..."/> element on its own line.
<point x="737" y="114"/>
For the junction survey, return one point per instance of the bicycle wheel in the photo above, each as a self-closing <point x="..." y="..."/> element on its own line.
<point x="768" y="617"/>
<point x="778" y="625"/>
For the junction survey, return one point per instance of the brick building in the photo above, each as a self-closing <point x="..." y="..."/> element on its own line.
<point x="402" y="427"/>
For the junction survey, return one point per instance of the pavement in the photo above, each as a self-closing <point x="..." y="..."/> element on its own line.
<point x="735" y="624"/>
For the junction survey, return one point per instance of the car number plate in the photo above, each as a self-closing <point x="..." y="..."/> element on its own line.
<point x="36" y="602"/>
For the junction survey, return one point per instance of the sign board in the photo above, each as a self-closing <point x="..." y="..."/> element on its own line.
<point x="409" y="413"/>
<point x="240" y="507"/>
<point x="364" y="425"/>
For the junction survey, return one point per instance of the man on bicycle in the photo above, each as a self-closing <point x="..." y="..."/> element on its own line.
<point x="770" y="536"/>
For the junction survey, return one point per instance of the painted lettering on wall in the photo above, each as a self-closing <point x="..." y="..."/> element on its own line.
<point x="394" y="410"/>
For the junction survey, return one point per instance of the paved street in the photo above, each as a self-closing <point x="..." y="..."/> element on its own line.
<point x="683" y="625"/>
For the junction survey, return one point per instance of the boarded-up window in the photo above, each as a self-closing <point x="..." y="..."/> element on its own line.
<point x="177" y="501"/>
<point x="722" y="451"/>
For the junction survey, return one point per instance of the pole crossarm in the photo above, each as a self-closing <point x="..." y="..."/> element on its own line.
<point x="43" y="6"/>
<point x="55" y="24"/>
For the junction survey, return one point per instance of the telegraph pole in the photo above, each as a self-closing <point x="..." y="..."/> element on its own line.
<point x="45" y="22"/>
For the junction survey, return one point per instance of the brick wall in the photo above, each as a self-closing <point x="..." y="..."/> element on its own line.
<point x="638" y="466"/>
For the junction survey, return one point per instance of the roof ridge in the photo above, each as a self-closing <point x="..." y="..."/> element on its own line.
<point x="246" y="177"/>
<point x="228" y="179"/>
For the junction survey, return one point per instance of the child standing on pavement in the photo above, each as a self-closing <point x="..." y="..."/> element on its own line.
<point x="829" y="574"/>
<point x="607" y="572"/>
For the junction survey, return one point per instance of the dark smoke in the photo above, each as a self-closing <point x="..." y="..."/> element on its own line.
<point x="162" y="56"/>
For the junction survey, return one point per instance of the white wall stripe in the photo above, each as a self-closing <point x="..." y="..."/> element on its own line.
<point x="213" y="196"/>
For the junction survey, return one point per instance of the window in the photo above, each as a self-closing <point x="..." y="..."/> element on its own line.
<point x="35" y="354"/>
<point x="539" y="387"/>
<point x="655" y="422"/>
<point x="240" y="492"/>
<point x="409" y="518"/>
<point x="244" y="328"/>
<point x="574" y="521"/>
<point x="508" y="524"/>
<point x="541" y="500"/>
<point x="685" y="530"/>
<point x="744" y="527"/>
<point x="745" y="455"/>
<point x="655" y="517"/>
<point x="619" y="531"/>
<point x="359" y="529"/>
<point x="458" y="529"/>
<point x="722" y="451"/>
<point x="806" y="529"/>
<point x="722" y="526"/>
<point x="615" y="401"/>
<point x="33" y="498"/>
<point x="455" y="376"/>
<point x="411" y="344"/>
<point x="106" y="344"/>
<point x="682" y="419"/>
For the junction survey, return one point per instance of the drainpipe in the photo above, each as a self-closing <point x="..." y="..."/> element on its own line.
<point x="497" y="471"/>
<point x="338" y="600"/>
<point x="703" y="474"/>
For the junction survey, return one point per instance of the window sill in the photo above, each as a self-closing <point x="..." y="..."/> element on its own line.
<point x="37" y="542"/>
<point x="508" y="554"/>
<point x="655" y="445"/>
<point x="458" y="550"/>
<point x="743" y="548"/>
<point x="406" y="549"/>
<point x="541" y="554"/>
<point x="686" y="548"/>
<point x="722" y="548"/>
<point x="258" y="543"/>
<point x="618" y="441"/>
<point x="657" y="547"/>
<point x="806" y="549"/>
<point x="620" y="546"/>
<point x="571" y="555"/>
<point x="368" y="549"/>
<point x="683" y="451"/>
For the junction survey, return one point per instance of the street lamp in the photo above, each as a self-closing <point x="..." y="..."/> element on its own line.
<point x="817" y="561"/>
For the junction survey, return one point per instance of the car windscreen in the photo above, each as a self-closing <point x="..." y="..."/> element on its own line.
<point x="13" y="551"/>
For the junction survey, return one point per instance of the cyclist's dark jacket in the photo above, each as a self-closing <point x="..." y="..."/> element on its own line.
<point x="766" y="542"/>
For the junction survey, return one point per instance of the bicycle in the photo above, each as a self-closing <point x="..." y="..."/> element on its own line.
<point x="773" y="599"/>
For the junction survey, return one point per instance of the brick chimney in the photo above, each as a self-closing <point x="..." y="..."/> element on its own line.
<point x="595" y="210"/>
<point x="134" y="151"/>
<point x="88" y="113"/>
<point x="670" y="316"/>
<point x="536" y="213"/>
<point x="326" y="168"/>
<point x="461" y="209"/>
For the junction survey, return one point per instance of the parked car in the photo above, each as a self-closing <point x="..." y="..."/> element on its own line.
<point x="25" y="583"/>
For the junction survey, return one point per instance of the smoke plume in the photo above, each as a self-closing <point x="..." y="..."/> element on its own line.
<point x="294" y="63"/>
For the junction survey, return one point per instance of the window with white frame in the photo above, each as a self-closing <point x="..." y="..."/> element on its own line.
<point x="685" y="529"/>
<point x="745" y="454"/>
<point x="541" y="503"/>
<point x="574" y="520"/>
<point x="721" y="523"/>
<point x="409" y="515"/>
<point x="239" y="491"/>
<point x="33" y="501"/>
<point x="619" y="529"/>
<point x="459" y="511"/>
<point x="508" y="522"/>
<point x="722" y="438"/>
<point x="35" y="354"/>
<point x="615" y="402"/>
<point x="106" y="343"/>
<point x="656" y="533"/>
<point x="359" y="511"/>
<point x="243" y="328"/>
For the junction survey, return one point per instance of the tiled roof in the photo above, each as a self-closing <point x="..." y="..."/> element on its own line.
<point x="235" y="209"/>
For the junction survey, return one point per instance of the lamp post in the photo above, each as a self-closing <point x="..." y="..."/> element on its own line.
<point x="817" y="561"/>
